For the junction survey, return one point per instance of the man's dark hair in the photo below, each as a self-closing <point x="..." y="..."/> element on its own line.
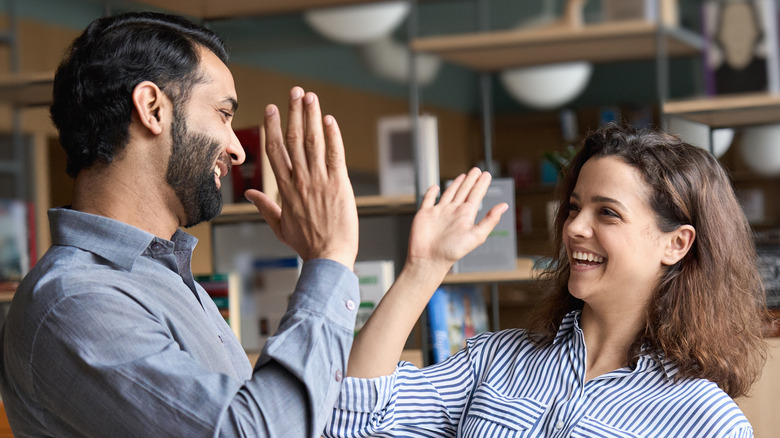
<point x="94" y="83"/>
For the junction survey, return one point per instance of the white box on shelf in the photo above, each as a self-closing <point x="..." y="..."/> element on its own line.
<point x="499" y="252"/>
<point x="374" y="278"/>
<point x="396" y="155"/>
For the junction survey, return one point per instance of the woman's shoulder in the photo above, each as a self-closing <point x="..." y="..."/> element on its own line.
<point x="707" y="407"/>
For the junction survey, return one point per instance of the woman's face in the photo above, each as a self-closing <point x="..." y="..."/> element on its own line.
<point x="614" y="246"/>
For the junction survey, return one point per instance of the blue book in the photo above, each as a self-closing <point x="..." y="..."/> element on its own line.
<point x="455" y="313"/>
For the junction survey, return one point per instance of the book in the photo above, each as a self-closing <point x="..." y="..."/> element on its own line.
<point x="499" y="251"/>
<point x="225" y="290"/>
<point x="374" y="278"/>
<point x="272" y="282"/>
<point x="255" y="172"/>
<point x="455" y="314"/>
<point x="768" y="262"/>
<point x="397" y="166"/>
<point x="17" y="239"/>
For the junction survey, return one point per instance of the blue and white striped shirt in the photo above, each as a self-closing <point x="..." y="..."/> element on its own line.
<point x="503" y="385"/>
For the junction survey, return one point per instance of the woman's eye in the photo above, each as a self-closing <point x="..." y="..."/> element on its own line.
<point x="609" y="212"/>
<point x="572" y="208"/>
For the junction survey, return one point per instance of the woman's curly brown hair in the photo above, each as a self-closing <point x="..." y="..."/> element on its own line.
<point x="708" y="314"/>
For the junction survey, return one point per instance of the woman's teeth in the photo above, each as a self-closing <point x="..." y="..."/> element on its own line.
<point x="587" y="257"/>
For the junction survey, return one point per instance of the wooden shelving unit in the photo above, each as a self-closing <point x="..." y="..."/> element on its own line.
<point x="601" y="42"/>
<point x="367" y="205"/>
<point x="728" y="110"/>
<point x="27" y="89"/>
<point x="524" y="272"/>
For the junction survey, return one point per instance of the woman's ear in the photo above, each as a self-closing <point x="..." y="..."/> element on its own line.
<point x="150" y="105"/>
<point x="679" y="243"/>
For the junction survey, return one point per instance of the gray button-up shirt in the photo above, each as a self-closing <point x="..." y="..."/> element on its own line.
<point x="109" y="336"/>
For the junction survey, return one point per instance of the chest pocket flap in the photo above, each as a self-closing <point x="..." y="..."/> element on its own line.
<point x="589" y="427"/>
<point x="513" y="413"/>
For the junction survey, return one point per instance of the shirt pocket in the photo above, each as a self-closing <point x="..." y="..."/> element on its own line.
<point x="492" y="413"/>
<point x="590" y="427"/>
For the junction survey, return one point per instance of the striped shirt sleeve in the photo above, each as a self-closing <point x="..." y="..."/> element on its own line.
<point x="411" y="402"/>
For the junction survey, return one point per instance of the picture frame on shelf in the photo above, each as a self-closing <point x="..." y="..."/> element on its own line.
<point x="740" y="46"/>
<point x="397" y="167"/>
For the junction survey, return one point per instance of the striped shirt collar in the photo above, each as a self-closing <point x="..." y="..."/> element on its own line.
<point x="570" y="327"/>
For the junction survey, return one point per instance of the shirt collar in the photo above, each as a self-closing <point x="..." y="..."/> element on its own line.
<point x="115" y="241"/>
<point x="569" y="322"/>
<point x="646" y="362"/>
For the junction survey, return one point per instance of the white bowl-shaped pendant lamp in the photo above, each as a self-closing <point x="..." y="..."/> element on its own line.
<point x="547" y="86"/>
<point x="357" y="24"/>
<point x="389" y="60"/>
<point x="760" y="149"/>
<point x="698" y="134"/>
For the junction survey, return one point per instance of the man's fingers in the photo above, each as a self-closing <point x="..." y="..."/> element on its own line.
<point x="335" y="158"/>
<point x="274" y="144"/>
<point x="295" y="131"/>
<point x="313" y="140"/>
<point x="270" y="211"/>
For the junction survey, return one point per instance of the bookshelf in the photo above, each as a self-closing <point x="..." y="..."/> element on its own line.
<point x="366" y="205"/>
<point x="525" y="272"/>
<point x="728" y="110"/>
<point x="600" y="42"/>
<point x="27" y="89"/>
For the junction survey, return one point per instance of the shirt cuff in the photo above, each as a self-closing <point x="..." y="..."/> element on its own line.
<point x="329" y="288"/>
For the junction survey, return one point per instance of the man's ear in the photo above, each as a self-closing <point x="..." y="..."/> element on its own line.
<point x="679" y="243"/>
<point x="150" y="105"/>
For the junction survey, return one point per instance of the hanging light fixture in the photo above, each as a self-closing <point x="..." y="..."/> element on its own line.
<point x="552" y="85"/>
<point x="760" y="149"/>
<point x="389" y="60"/>
<point x="357" y="24"/>
<point x="547" y="86"/>
<point x="698" y="134"/>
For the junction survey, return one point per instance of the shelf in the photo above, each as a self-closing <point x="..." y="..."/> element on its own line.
<point x="729" y="110"/>
<point x="602" y="42"/>
<point x="27" y="89"/>
<point x="367" y="205"/>
<point x="524" y="272"/>
<point x="216" y="9"/>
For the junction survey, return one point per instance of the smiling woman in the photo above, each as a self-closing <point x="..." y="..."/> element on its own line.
<point x="703" y="310"/>
<point x="654" y="320"/>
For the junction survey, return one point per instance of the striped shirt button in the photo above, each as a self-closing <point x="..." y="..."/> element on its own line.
<point x="339" y="376"/>
<point x="559" y="425"/>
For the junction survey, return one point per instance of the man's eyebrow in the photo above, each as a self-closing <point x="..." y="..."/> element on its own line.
<point x="232" y="102"/>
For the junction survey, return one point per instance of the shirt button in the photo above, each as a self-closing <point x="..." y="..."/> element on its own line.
<point x="339" y="376"/>
<point x="350" y="305"/>
<point x="157" y="247"/>
<point x="559" y="425"/>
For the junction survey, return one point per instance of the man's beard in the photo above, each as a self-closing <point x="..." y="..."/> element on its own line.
<point x="191" y="172"/>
